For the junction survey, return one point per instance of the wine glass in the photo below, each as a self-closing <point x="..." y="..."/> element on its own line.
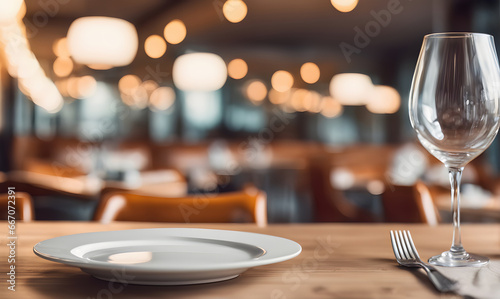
<point x="455" y="109"/>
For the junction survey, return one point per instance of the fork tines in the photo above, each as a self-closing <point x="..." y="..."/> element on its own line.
<point x="403" y="246"/>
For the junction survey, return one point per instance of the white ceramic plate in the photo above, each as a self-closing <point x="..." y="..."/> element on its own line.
<point x="167" y="256"/>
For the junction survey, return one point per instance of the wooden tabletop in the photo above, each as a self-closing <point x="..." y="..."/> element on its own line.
<point x="338" y="261"/>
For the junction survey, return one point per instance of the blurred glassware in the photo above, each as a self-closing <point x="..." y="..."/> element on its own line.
<point x="408" y="165"/>
<point x="202" y="179"/>
<point x="473" y="196"/>
<point x="258" y="155"/>
<point x="221" y="159"/>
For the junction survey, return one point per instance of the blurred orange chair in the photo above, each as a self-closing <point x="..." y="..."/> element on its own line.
<point x="249" y="205"/>
<point x="410" y="204"/>
<point x="23" y="206"/>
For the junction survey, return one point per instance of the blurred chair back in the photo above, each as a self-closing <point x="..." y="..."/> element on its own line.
<point x="330" y="204"/>
<point x="411" y="204"/>
<point x="249" y="205"/>
<point x="23" y="206"/>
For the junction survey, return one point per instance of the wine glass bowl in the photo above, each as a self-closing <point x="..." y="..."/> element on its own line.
<point x="455" y="109"/>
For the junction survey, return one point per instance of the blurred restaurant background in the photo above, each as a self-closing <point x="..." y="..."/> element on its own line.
<point x="304" y="100"/>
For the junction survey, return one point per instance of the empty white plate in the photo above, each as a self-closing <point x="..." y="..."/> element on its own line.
<point x="167" y="256"/>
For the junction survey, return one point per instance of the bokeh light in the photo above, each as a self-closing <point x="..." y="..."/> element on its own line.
<point x="298" y="99"/>
<point x="162" y="98"/>
<point x="282" y="81"/>
<point x="256" y="91"/>
<point x="46" y="95"/>
<point x="277" y="97"/>
<point x="62" y="85"/>
<point x="344" y="5"/>
<point x="139" y="98"/>
<point x="312" y="102"/>
<point x="63" y="66"/>
<point x="237" y="68"/>
<point x="128" y="83"/>
<point x="72" y="87"/>
<point x="155" y="46"/>
<point x="310" y="72"/>
<point x="60" y="47"/>
<point x="331" y="108"/>
<point x="149" y="86"/>
<point x="234" y="10"/>
<point x="86" y="86"/>
<point x="175" y="32"/>
<point x="383" y="100"/>
<point x="375" y="187"/>
<point x="351" y="88"/>
<point x="78" y="87"/>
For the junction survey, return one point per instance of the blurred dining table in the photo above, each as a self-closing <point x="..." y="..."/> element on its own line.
<point x="166" y="182"/>
<point x="337" y="261"/>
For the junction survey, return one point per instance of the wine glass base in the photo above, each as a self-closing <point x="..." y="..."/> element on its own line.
<point x="447" y="259"/>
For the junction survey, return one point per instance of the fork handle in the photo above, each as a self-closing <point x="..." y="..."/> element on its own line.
<point x="441" y="282"/>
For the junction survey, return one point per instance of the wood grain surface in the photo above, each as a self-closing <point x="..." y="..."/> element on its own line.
<point x="338" y="261"/>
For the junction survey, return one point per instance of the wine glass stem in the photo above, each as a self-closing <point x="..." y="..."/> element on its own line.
<point x="455" y="177"/>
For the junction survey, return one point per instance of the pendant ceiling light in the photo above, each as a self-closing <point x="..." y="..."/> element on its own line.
<point x="9" y="10"/>
<point x="351" y="89"/>
<point x="383" y="100"/>
<point x="199" y="72"/>
<point x="102" y="42"/>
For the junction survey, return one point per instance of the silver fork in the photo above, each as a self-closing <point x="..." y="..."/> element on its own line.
<point x="407" y="255"/>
